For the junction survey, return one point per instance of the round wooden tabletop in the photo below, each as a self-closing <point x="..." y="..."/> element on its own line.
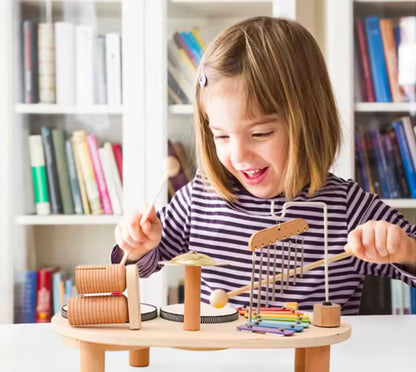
<point x="164" y="333"/>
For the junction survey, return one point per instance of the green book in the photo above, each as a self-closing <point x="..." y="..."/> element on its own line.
<point x="40" y="180"/>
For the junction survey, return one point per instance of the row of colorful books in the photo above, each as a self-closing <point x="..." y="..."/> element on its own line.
<point x="386" y="158"/>
<point x="383" y="295"/>
<point x="41" y="293"/>
<point x="69" y="64"/>
<point x="185" y="50"/>
<point x="75" y="176"/>
<point x="386" y="59"/>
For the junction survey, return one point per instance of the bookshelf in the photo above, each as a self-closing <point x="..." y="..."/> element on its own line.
<point x="341" y="54"/>
<point x="139" y="123"/>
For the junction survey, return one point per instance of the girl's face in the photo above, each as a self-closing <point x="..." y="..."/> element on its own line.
<point x="254" y="150"/>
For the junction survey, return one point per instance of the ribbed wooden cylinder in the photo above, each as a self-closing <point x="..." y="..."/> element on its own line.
<point x="84" y="310"/>
<point x="100" y="278"/>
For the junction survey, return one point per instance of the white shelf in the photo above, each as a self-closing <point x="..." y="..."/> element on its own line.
<point x="67" y="220"/>
<point x="48" y="109"/>
<point x="401" y="203"/>
<point x="181" y="109"/>
<point x="385" y="107"/>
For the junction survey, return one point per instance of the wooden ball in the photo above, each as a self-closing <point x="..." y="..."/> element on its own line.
<point x="172" y="166"/>
<point x="218" y="298"/>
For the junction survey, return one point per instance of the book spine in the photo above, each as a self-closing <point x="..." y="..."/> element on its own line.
<point x="382" y="164"/>
<point x="407" y="157"/>
<point x="113" y="62"/>
<point x="56" y="292"/>
<point x="365" y="62"/>
<point x="377" y="59"/>
<point x="48" y="149"/>
<point x="100" y="74"/>
<point x="40" y="179"/>
<point x="65" y="63"/>
<point x="82" y="188"/>
<point x="181" y="44"/>
<point x="118" y="154"/>
<point x="81" y="146"/>
<point x="390" y="53"/>
<point x="105" y="162"/>
<point x="62" y="170"/>
<point x="391" y="165"/>
<point x="114" y="172"/>
<point x="362" y="160"/>
<point x="44" y="296"/>
<point x="30" y="63"/>
<point x="73" y="177"/>
<point x="189" y="42"/>
<point x="99" y="174"/>
<point x="46" y="63"/>
<point x="410" y="137"/>
<point x="29" y="297"/>
<point x="84" y="91"/>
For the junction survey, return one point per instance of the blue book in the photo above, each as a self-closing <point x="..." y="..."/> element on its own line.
<point x="196" y="44"/>
<point x="359" y="141"/>
<point x="377" y="59"/>
<point x="191" y="45"/>
<point x="29" y="297"/>
<point x="381" y="161"/>
<point x="391" y="165"/>
<point x="407" y="157"/>
<point x="412" y="300"/>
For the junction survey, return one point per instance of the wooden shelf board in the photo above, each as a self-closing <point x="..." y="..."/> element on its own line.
<point x="67" y="220"/>
<point x="181" y="109"/>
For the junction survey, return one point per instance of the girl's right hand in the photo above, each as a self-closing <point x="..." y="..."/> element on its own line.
<point x="135" y="239"/>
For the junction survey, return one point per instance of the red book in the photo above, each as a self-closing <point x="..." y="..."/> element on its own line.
<point x="44" y="296"/>
<point x="118" y="154"/>
<point x="364" y="58"/>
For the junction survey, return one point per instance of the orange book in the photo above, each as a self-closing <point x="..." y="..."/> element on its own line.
<point x="390" y="53"/>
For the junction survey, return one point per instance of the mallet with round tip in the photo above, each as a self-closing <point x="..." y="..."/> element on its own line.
<point x="171" y="169"/>
<point x="219" y="297"/>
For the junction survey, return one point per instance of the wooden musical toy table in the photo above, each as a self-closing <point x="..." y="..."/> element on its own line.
<point x="312" y="345"/>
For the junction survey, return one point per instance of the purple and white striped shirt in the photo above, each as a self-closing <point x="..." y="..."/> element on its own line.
<point x="198" y="219"/>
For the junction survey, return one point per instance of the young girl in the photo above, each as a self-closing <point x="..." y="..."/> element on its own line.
<point x="267" y="129"/>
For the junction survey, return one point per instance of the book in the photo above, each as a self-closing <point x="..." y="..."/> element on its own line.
<point x="406" y="156"/>
<point x="363" y="161"/>
<point x="73" y="178"/>
<point x="44" y="296"/>
<point x="81" y="148"/>
<point x="30" y="62"/>
<point x="62" y="171"/>
<point x="181" y="44"/>
<point x="114" y="171"/>
<point x="372" y="162"/>
<point x="29" y="296"/>
<point x="65" y="63"/>
<point x="390" y="53"/>
<point x="40" y="179"/>
<point x="81" y="182"/>
<point x="392" y="170"/>
<point x="181" y="81"/>
<point x="54" y="193"/>
<point x="410" y="137"/>
<point x="84" y="92"/>
<point x="99" y="174"/>
<point x="100" y="73"/>
<point x="109" y="178"/>
<point x="113" y="63"/>
<point x="46" y="62"/>
<point x="118" y="155"/>
<point x="407" y="57"/>
<point x="377" y="59"/>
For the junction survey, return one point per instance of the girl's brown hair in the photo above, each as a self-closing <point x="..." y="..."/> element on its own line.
<point x="284" y="73"/>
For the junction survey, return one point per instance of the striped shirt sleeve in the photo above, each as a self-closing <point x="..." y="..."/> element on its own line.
<point x="363" y="207"/>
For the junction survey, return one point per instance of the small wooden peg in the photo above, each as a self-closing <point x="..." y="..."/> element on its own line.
<point x="326" y="314"/>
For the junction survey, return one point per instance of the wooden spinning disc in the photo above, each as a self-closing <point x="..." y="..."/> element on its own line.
<point x="148" y="312"/>
<point x="209" y="315"/>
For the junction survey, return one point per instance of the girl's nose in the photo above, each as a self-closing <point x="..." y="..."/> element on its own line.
<point x="240" y="152"/>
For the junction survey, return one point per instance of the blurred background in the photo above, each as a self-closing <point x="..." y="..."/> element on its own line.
<point x="95" y="94"/>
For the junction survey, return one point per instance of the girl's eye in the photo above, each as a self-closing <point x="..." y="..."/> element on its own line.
<point x="220" y="137"/>
<point x="262" y="135"/>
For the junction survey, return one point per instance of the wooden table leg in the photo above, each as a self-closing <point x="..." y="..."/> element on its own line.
<point x="92" y="357"/>
<point x="316" y="359"/>
<point x="300" y="360"/>
<point x="139" y="357"/>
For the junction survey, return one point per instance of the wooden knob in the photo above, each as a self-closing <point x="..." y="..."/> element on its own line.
<point x="84" y="310"/>
<point x="100" y="278"/>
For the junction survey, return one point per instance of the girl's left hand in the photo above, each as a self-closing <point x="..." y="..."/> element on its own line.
<point x="382" y="242"/>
